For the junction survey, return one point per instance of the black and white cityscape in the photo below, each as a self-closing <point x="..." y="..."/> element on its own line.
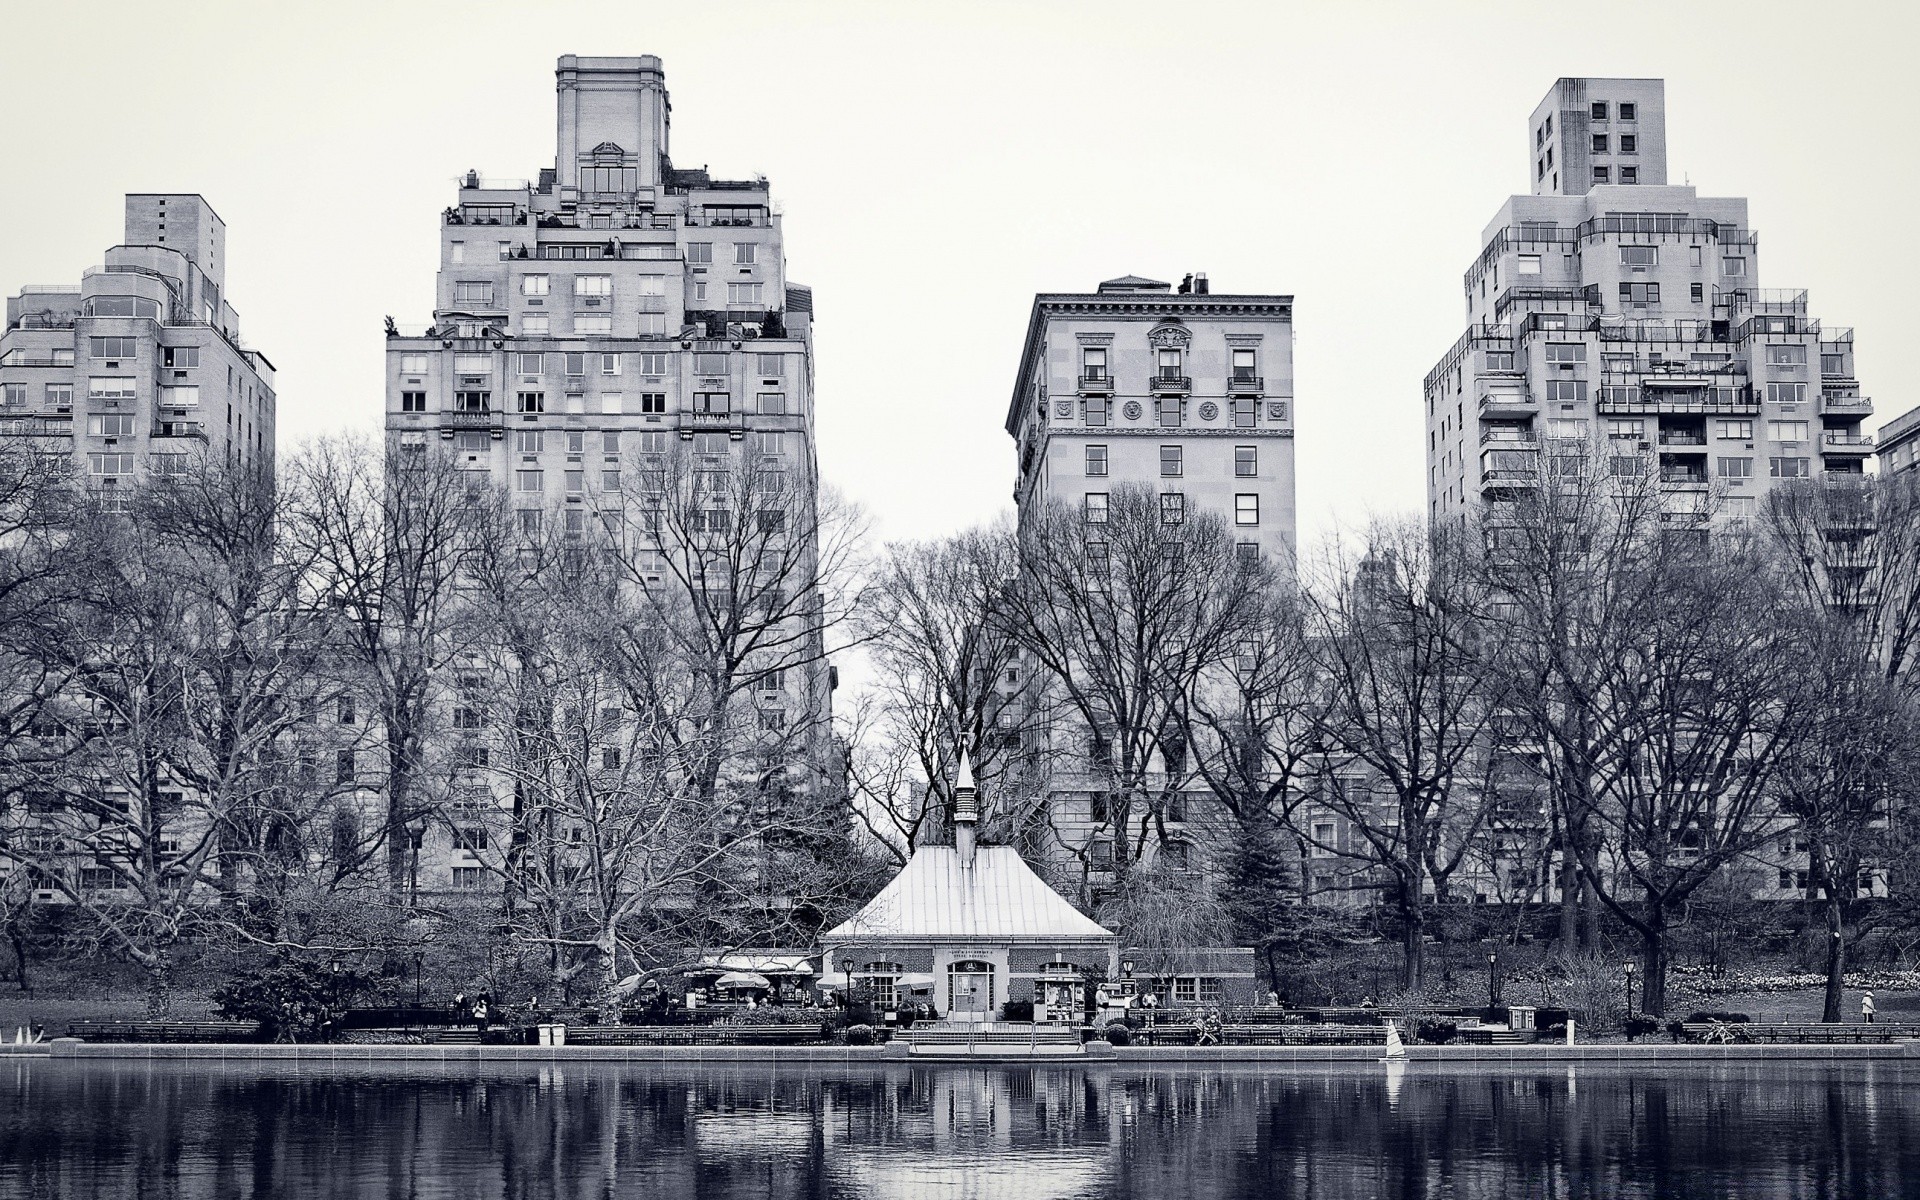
<point x="928" y="623"/>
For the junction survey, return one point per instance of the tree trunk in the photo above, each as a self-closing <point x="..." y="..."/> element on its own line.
<point x="1653" y="961"/>
<point x="1589" y="914"/>
<point x="19" y="945"/>
<point x="1836" y="957"/>
<point x="1413" y="936"/>
<point x="159" y="985"/>
<point x="1569" y="901"/>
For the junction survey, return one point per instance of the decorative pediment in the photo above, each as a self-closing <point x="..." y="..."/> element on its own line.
<point x="1170" y="335"/>
<point x="1094" y="339"/>
<point x="612" y="148"/>
<point x="1243" y="339"/>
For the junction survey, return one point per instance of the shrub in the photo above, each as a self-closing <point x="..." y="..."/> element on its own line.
<point x="1118" y="1034"/>
<point x="1725" y="1018"/>
<point x="768" y="1014"/>
<point x="293" y="999"/>
<point x="1552" y="1033"/>
<point x="1436" y="1033"/>
<point x="859" y="1035"/>
<point x="1639" y="1025"/>
<point x="1017" y="1010"/>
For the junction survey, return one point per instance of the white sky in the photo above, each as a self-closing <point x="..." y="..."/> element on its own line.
<point x="939" y="164"/>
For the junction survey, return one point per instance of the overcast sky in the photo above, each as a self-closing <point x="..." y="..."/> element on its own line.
<point x="939" y="164"/>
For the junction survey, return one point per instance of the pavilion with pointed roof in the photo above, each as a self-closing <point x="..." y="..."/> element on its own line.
<point x="969" y="927"/>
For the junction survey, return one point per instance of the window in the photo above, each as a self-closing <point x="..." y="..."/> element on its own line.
<point x="1169" y="364"/>
<point x="1244" y="408"/>
<point x="1599" y="143"/>
<point x="1096" y="407"/>
<point x="1786" y="393"/>
<point x="1787" y="356"/>
<point x="770" y="442"/>
<point x="343" y="767"/>
<point x="1629" y="174"/>
<point x="1528" y="264"/>
<point x="1630" y="429"/>
<point x="1639" y="295"/>
<point x="60" y="395"/>
<point x="1639" y="257"/>
<point x="745" y="254"/>
<point x="1602" y="175"/>
<point x="1787" y="431"/>
<point x="1566" y="390"/>
<point x="1169" y="407"/>
<point x="611" y="402"/>
<point x="1567" y="427"/>
<point x="466" y="879"/>
<point x="1093" y="364"/>
<point x="472" y="401"/>
<point x="111" y="387"/>
<point x="771" y="404"/>
<point x="699" y="253"/>
<point x="1246" y="509"/>
<point x="1094" y="507"/>
<point x="710" y="402"/>
<point x="1735" y="468"/>
<point x="1096" y="460"/>
<point x="180" y="357"/>
<point x="112" y="347"/>
<point x="14" y="395"/>
<point x="413" y="364"/>
<point x="530" y="402"/>
<point x="529" y="441"/>
<point x="1696" y="292"/>
<point x="593" y="326"/>
<point x="1567" y="352"/>
<point x="744" y="293"/>
<point x="1173" y="508"/>
<point x="1244" y="366"/>
<point x="710" y="364"/>
<point x="1738" y="430"/>
<point x="473" y="291"/>
<point x="1186" y="990"/>
<point x="1626" y="465"/>
<point x="653" y="403"/>
<point x="592" y="285"/>
<point x="114" y="425"/>
<point x="536" y="325"/>
<point x="1171" y="460"/>
<point x="528" y="481"/>
<point x="1599" y="110"/>
<point x="1246" y="461"/>
<point x="1787" y="468"/>
<point x="456" y="252"/>
<point x="110" y="464"/>
<point x="1733" y="266"/>
<point x="1629" y="144"/>
<point x="534" y="285"/>
<point x="576" y="483"/>
<point x="1628" y="110"/>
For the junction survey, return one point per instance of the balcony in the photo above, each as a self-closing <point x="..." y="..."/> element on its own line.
<point x="1846" y="443"/>
<point x="1679" y="400"/>
<point x="483" y="418"/>
<point x="1244" y="385"/>
<point x="1682" y="439"/>
<point x="1683" y="481"/>
<point x="1096" y="384"/>
<point x="1506" y="398"/>
<point x="1499" y="439"/>
<point x="180" y="429"/>
<point x="1510" y="464"/>
<point x="1172" y="385"/>
<point x="36" y="426"/>
<point x="1846" y="405"/>
<point x="714" y="422"/>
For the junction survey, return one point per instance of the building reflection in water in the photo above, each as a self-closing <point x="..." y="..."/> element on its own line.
<point x="1756" y="1129"/>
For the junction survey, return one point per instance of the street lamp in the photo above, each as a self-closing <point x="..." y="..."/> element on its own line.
<point x="1493" y="992"/>
<point x="1629" y="988"/>
<point x="416" y="834"/>
<point x="846" y="967"/>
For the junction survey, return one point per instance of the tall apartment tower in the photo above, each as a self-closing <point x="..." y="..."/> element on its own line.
<point x="1612" y="313"/>
<point x="140" y="368"/>
<point x="613" y="312"/>
<point x="1188" y="393"/>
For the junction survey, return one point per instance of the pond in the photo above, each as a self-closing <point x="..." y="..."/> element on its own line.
<point x="96" y="1129"/>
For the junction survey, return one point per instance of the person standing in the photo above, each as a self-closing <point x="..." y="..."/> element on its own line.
<point x="1866" y="1007"/>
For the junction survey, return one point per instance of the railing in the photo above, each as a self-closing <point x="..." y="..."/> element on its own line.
<point x="36" y="427"/>
<point x="1515" y="441"/>
<point x="1171" y="383"/>
<point x="1846" y="403"/>
<point x="1244" y="385"/>
<point x="43" y="320"/>
<point x="17" y="359"/>
<point x="1791" y="301"/>
<point x="714" y="420"/>
<point x="1664" y="400"/>
<point x="1857" y="441"/>
<point x="1683" y="439"/>
<point x="1096" y="383"/>
<point x="621" y="220"/>
<point x="471" y="419"/>
<point x="1682" y="479"/>
<point x="1491" y="398"/>
<point x="180" y="429"/>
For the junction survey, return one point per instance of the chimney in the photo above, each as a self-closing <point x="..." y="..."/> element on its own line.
<point x="1199" y="283"/>
<point x="966" y="811"/>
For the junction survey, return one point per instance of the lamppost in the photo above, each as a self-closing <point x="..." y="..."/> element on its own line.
<point x="1493" y="991"/>
<point x="846" y="967"/>
<point x="1629" y="988"/>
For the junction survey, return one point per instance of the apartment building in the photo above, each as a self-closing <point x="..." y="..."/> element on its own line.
<point x="1899" y="443"/>
<point x="1614" y="317"/>
<point x="1185" y="392"/>
<point x="614" y="324"/>
<point x="140" y="368"/>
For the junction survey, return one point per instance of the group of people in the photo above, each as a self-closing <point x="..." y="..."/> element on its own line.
<point x="479" y="1011"/>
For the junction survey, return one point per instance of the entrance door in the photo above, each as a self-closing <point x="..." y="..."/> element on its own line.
<point x="970" y="990"/>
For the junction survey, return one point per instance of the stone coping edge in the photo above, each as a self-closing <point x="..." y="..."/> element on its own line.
<point x="802" y="1055"/>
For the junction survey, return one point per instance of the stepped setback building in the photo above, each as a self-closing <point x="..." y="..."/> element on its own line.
<point x="1612" y="313"/>
<point x="140" y="368"/>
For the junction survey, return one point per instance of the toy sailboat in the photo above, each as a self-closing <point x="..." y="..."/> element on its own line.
<point x="1396" y="1049"/>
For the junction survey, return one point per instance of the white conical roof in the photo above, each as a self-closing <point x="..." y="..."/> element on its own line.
<point x="998" y="897"/>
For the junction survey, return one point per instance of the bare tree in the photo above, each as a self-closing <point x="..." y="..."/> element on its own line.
<point x="1399" y="636"/>
<point x="1125" y="609"/>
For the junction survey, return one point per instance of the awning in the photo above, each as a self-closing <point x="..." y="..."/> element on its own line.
<point x="762" y="963"/>
<point x="742" y="979"/>
<point x="918" y="982"/>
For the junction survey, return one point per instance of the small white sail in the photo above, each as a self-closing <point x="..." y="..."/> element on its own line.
<point x="1395" y="1047"/>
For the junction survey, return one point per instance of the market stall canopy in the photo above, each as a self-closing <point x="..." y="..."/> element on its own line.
<point x="746" y="979"/>
<point x="766" y="962"/>
<point x="999" y="896"/>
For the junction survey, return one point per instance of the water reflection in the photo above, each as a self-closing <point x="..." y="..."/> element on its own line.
<point x="1735" y="1130"/>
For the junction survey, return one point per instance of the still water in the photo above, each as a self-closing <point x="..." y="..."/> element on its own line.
<point x="77" y="1130"/>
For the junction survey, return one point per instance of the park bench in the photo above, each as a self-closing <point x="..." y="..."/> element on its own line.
<point x="1329" y="1033"/>
<point x="1495" y="1035"/>
<point x="1023" y="1035"/>
<point x="164" y="1031"/>
<point x="1817" y="1033"/>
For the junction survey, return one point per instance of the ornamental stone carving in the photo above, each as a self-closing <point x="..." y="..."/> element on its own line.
<point x="1276" y="410"/>
<point x="1170" y="335"/>
<point x="1063" y="409"/>
<point x="1209" y="411"/>
<point x="1132" y="410"/>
